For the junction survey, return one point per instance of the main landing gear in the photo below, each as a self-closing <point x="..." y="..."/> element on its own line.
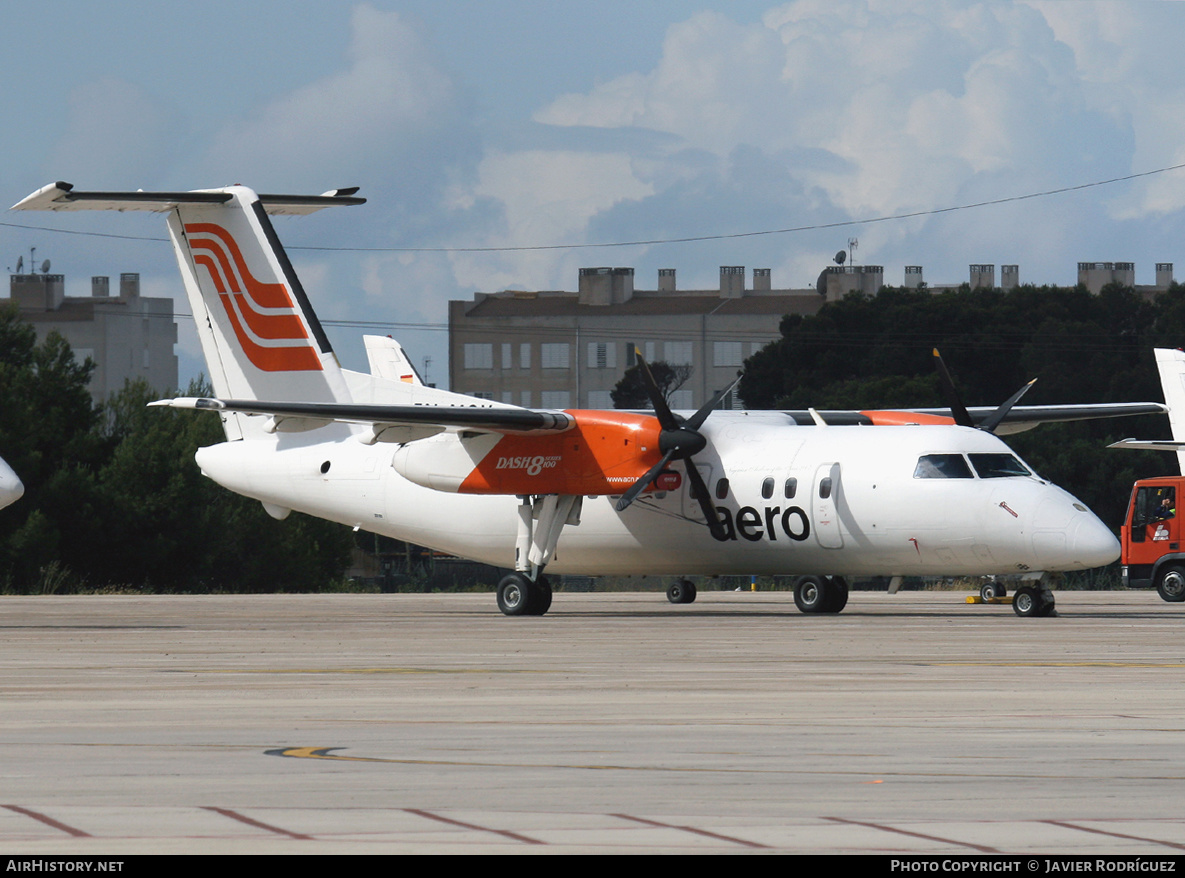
<point x="526" y="591"/>
<point x="821" y="594"/>
<point x="519" y="596"/>
<point x="681" y="591"/>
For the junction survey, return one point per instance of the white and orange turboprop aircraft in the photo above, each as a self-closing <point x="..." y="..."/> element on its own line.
<point x="608" y="492"/>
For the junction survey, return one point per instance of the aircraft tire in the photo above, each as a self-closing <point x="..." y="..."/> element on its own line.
<point x="539" y="601"/>
<point x="682" y="591"/>
<point x="836" y="594"/>
<point x="514" y="595"/>
<point x="1048" y="603"/>
<point x="1170" y="585"/>
<point x="810" y="594"/>
<point x="1027" y="601"/>
<point x="990" y="590"/>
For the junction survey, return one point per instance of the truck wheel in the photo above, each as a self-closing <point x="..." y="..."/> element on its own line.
<point x="1171" y="584"/>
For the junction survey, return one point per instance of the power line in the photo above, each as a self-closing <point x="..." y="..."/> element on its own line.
<point x="656" y="241"/>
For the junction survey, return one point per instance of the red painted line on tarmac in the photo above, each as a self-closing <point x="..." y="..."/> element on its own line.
<point x="1170" y="844"/>
<point x="234" y="815"/>
<point x="966" y="844"/>
<point x="49" y="821"/>
<point x="691" y="829"/>
<point x="503" y="832"/>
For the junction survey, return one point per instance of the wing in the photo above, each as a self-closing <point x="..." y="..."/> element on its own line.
<point x="1017" y="420"/>
<point x="420" y="420"/>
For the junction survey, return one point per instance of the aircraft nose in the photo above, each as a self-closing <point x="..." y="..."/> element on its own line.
<point x="1091" y="542"/>
<point x="11" y="488"/>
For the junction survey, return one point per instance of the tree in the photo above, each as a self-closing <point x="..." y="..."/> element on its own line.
<point x="630" y="392"/>
<point x="113" y="495"/>
<point x="47" y="435"/>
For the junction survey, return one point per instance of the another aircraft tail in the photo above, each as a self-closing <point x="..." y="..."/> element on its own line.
<point x="259" y="334"/>
<point x="1171" y="365"/>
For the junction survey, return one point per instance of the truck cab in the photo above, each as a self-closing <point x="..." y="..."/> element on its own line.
<point x="1151" y="538"/>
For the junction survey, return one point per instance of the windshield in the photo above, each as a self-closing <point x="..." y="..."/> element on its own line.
<point x="942" y="466"/>
<point x="998" y="466"/>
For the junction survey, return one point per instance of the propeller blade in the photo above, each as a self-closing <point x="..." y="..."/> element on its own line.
<point x="641" y="484"/>
<point x="958" y="411"/>
<point x="705" y="502"/>
<point x="993" y="420"/>
<point x="696" y="421"/>
<point x="662" y="411"/>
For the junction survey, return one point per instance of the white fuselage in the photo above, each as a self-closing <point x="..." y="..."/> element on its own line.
<point x="879" y="518"/>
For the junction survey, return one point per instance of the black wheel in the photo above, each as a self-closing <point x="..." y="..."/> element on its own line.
<point x="987" y="592"/>
<point x="810" y="594"/>
<point x="1170" y="585"/>
<point x="1026" y="601"/>
<point x="540" y="597"/>
<point x="1048" y="603"/>
<point x="514" y="595"/>
<point x="682" y="591"/>
<point x="835" y="594"/>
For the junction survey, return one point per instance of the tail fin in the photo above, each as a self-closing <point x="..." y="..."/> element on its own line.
<point x="1171" y="365"/>
<point x="259" y="334"/>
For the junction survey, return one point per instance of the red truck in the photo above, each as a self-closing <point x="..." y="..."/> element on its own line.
<point x="1151" y="537"/>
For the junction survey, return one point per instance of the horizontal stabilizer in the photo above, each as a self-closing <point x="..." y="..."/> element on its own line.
<point x="1148" y="445"/>
<point x="61" y="196"/>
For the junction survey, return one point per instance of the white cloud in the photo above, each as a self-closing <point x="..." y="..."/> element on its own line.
<point x="116" y="133"/>
<point x="392" y="104"/>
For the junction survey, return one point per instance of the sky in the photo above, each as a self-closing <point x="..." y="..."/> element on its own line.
<point x="530" y="124"/>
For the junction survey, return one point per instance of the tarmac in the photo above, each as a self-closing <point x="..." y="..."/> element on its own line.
<point x="617" y="723"/>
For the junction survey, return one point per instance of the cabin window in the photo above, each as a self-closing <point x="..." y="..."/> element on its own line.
<point x="825" y="488"/>
<point x="998" y="466"/>
<point x="722" y="489"/>
<point x="791" y="488"/>
<point x="942" y="466"/>
<point x="767" y="489"/>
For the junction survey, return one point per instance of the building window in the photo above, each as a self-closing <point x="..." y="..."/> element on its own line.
<point x="553" y="356"/>
<point x="677" y="353"/>
<point x="524" y="356"/>
<point x="507" y="355"/>
<point x="602" y="355"/>
<point x="727" y="353"/>
<point x="681" y="399"/>
<point x="479" y="356"/>
<point x="556" y="399"/>
<point x="600" y="399"/>
<point x="525" y="399"/>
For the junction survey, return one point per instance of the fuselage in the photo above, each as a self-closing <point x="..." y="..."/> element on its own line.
<point x="907" y="500"/>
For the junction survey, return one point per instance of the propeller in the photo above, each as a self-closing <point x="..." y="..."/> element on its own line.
<point x="678" y="441"/>
<point x="959" y="411"/>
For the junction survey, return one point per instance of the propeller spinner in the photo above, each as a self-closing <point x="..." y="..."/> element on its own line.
<point x="679" y="440"/>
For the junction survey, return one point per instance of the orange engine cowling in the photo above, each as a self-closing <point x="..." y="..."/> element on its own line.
<point x="603" y="453"/>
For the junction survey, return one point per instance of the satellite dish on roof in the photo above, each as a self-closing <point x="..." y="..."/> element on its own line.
<point x="20" y="264"/>
<point x="45" y="267"/>
<point x="841" y="257"/>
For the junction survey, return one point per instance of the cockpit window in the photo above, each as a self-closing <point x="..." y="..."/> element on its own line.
<point x="998" y="466"/>
<point x="942" y="466"/>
